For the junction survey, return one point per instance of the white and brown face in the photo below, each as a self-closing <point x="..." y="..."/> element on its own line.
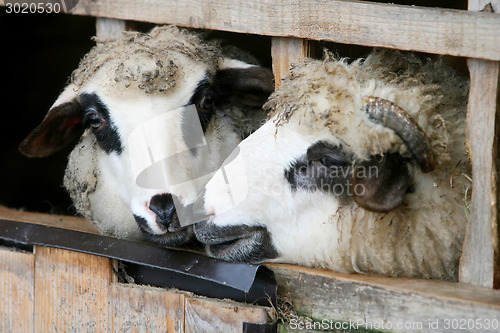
<point x="109" y="116"/>
<point x="274" y="199"/>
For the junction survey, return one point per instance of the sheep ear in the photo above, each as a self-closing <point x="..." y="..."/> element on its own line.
<point x="249" y="86"/>
<point x="61" y="126"/>
<point x="381" y="183"/>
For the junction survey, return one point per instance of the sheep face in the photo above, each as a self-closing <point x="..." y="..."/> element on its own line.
<point x="306" y="178"/>
<point x="352" y="172"/>
<point x="154" y="115"/>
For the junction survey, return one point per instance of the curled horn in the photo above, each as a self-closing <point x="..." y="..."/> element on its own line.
<point x="392" y="116"/>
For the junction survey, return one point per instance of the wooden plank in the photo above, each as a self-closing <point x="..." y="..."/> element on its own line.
<point x="71" y="293"/>
<point x="480" y="262"/>
<point x="425" y="29"/>
<point x="17" y="270"/>
<point x="209" y="315"/>
<point x="109" y="28"/>
<point x="142" y="308"/>
<point x="323" y="294"/>
<point x="285" y="52"/>
<point x="484" y="6"/>
<point x="60" y="221"/>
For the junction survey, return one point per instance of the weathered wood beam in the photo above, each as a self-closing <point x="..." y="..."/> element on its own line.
<point x="60" y="221"/>
<point x="480" y="262"/>
<point x="323" y="294"/>
<point x="425" y="29"/>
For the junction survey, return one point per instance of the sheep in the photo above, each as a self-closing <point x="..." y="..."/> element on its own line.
<point x="361" y="167"/>
<point x="170" y="80"/>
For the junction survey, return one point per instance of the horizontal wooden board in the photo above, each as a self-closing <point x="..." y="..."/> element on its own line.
<point x="424" y="29"/>
<point x="59" y="221"/>
<point x="323" y="294"/>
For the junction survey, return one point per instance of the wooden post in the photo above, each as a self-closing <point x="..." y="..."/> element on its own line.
<point x="480" y="262"/>
<point x="286" y="51"/>
<point x="110" y="28"/>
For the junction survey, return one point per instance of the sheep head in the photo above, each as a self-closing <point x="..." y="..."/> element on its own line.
<point x="348" y="148"/>
<point x="175" y="82"/>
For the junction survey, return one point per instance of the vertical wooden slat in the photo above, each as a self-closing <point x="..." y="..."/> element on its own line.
<point x="209" y="315"/>
<point x="286" y="51"/>
<point x="145" y="309"/>
<point x="110" y="28"/>
<point x="17" y="291"/>
<point x="71" y="291"/>
<point x="480" y="262"/>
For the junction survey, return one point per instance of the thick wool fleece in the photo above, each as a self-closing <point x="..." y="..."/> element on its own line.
<point x="422" y="238"/>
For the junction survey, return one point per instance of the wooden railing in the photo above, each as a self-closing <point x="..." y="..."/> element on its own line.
<point x="474" y="34"/>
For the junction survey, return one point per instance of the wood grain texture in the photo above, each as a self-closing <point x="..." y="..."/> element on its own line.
<point x="285" y="52"/>
<point x="145" y="309"/>
<point x="482" y="5"/>
<point x="71" y="291"/>
<point x="482" y="238"/>
<point x="17" y="283"/>
<point x="205" y="315"/>
<point x="424" y="29"/>
<point x="109" y="28"/>
<point x="479" y="262"/>
<point x="60" y="221"/>
<point x="323" y="294"/>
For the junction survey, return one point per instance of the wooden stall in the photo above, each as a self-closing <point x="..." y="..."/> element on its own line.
<point x="59" y="290"/>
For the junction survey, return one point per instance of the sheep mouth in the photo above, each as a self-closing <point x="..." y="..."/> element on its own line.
<point x="171" y="236"/>
<point x="227" y="249"/>
<point x="241" y="243"/>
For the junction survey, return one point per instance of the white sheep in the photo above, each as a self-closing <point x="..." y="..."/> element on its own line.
<point x="161" y="78"/>
<point x="362" y="167"/>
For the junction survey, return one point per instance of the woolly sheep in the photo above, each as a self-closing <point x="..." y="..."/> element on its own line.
<point x="154" y="79"/>
<point x="362" y="167"/>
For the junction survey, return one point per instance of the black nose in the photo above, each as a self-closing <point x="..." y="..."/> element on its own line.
<point x="163" y="206"/>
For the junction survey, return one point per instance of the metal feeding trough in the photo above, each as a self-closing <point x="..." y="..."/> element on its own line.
<point x="151" y="265"/>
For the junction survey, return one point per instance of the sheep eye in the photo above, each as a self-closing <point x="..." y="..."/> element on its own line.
<point x="332" y="162"/>
<point x="206" y="103"/>
<point x="94" y="119"/>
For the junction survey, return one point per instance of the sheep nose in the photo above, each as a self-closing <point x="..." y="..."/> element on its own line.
<point x="163" y="206"/>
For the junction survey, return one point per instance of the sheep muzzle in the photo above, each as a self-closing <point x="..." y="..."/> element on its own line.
<point x="237" y="243"/>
